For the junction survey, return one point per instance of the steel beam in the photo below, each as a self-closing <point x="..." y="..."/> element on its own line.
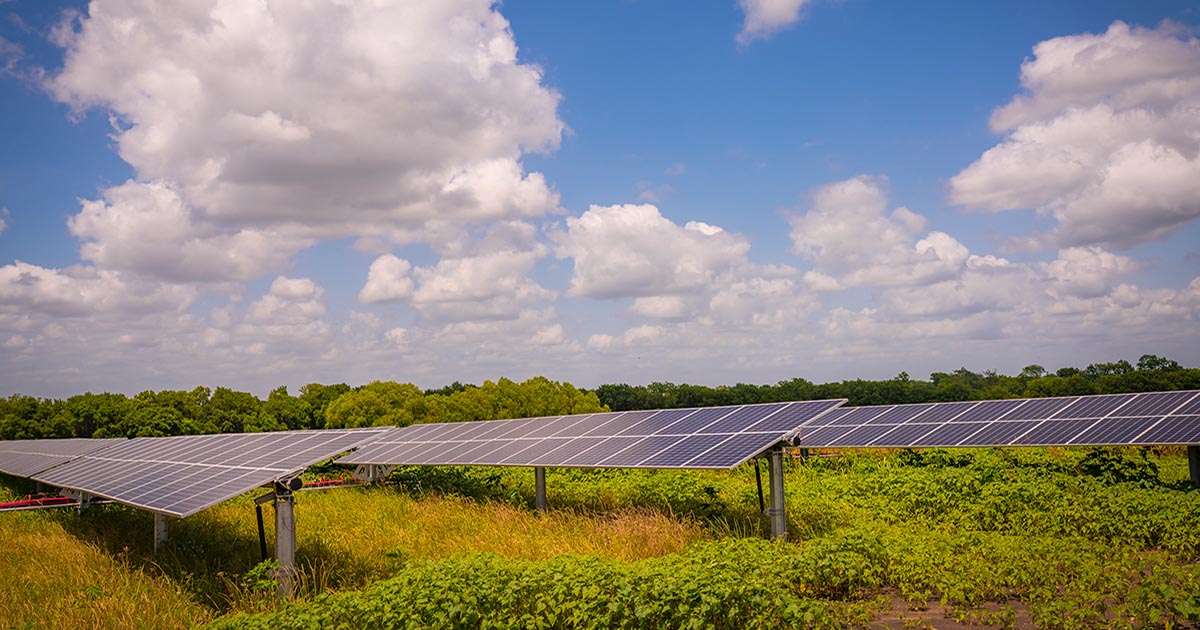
<point x="1194" y="464"/>
<point x="160" y="531"/>
<point x="539" y="481"/>
<point x="285" y="539"/>
<point x="777" y="511"/>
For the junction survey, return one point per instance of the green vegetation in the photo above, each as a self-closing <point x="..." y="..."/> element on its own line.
<point x="1065" y="538"/>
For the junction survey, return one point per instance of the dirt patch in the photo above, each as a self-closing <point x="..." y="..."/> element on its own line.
<point x="903" y="615"/>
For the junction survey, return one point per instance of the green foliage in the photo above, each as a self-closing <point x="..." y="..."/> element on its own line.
<point x="378" y="403"/>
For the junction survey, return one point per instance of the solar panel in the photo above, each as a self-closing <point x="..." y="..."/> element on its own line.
<point x="1110" y="420"/>
<point x="182" y="475"/>
<point x="711" y="437"/>
<point x="24" y="458"/>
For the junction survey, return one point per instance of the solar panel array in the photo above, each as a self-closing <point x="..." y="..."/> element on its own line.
<point x="182" y="475"/>
<point x="1106" y="420"/>
<point x="24" y="458"/>
<point x="708" y="437"/>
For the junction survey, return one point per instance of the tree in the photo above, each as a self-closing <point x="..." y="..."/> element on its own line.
<point x="1033" y="371"/>
<point x="1154" y="363"/>
<point x="229" y="411"/>
<point x="380" y="403"/>
<point x="284" y="410"/>
<point x="319" y="397"/>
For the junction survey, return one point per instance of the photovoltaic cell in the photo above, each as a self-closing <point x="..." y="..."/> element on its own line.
<point x="901" y="414"/>
<point x="1039" y="408"/>
<point x="1173" y="430"/>
<point x="1053" y="432"/>
<point x="642" y="450"/>
<point x="660" y="421"/>
<point x="905" y="435"/>
<point x="987" y="410"/>
<point x="997" y="434"/>
<point x="863" y="435"/>
<point x="24" y="458"/>
<point x="1095" y="406"/>
<point x="182" y="475"/>
<point x="684" y="450"/>
<point x="1114" y="431"/>
<point x="1153" y="405"/>
<point x="733" y="451"/>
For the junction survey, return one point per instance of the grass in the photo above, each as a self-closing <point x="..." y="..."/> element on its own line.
<point x="1081" y="540"/>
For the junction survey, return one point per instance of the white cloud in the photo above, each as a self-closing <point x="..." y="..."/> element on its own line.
<point x="854" y="241"/>
<point x="764" y="18"/>
<point x="146" y="228"/>
<point x="1087" y="272"/>
<point x="675" y="170"/>
<point x="388" y="280"/>
<point x="1105" y="139"/>
<point x="251" y="124"/>
<point x="492" y="285"/>
<point x="633" y="251"/>
<point x="80" y="291"/>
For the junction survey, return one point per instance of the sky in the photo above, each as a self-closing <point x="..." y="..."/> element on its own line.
<point x="260" y="193"/>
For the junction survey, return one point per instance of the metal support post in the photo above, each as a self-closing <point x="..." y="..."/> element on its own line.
<point x="777" y="511"/>
<point x="539" y="481"/>
<point x="285" y="535"/>
<point x="1194" y="464"/>
<point x="160" y="531"/>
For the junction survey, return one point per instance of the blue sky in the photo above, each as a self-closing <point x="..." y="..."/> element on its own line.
<point x="246" y="195"/>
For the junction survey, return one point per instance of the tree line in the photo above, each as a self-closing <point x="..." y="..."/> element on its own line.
<point x="1151" y="373"/>
<point x="317" y="406"/>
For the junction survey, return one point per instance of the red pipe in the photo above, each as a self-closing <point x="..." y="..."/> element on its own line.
<point x="38" y="502"/>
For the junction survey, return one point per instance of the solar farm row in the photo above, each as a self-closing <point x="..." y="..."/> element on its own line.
<point x="182" y="475"/>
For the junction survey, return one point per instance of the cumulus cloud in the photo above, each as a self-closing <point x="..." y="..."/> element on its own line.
<point x="81" y="291"/>
<point x="252" y="124"/>
<point x="492" y="285"/>
<point x="853" y="240"/>
<point x="1105" y="139"/>
<point x="764" y="18"/>
<point x="147" y="228"/>
<point x="634" y="251"/>
<point x="388" y="280"/>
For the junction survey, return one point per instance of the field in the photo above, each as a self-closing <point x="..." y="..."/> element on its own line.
<point x="1049" y="538"/>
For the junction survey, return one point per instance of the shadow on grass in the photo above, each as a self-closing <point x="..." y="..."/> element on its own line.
<point x="210" y="557"/>
<point x="727" y="506"/>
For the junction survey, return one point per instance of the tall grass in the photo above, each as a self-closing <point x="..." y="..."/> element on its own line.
<point x="52" y="579"/>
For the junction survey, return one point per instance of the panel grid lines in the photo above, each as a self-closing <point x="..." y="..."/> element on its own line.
<point x="182" y="475"/>
<point x="670" y="438"/>
<point x="1116" y="419"/>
